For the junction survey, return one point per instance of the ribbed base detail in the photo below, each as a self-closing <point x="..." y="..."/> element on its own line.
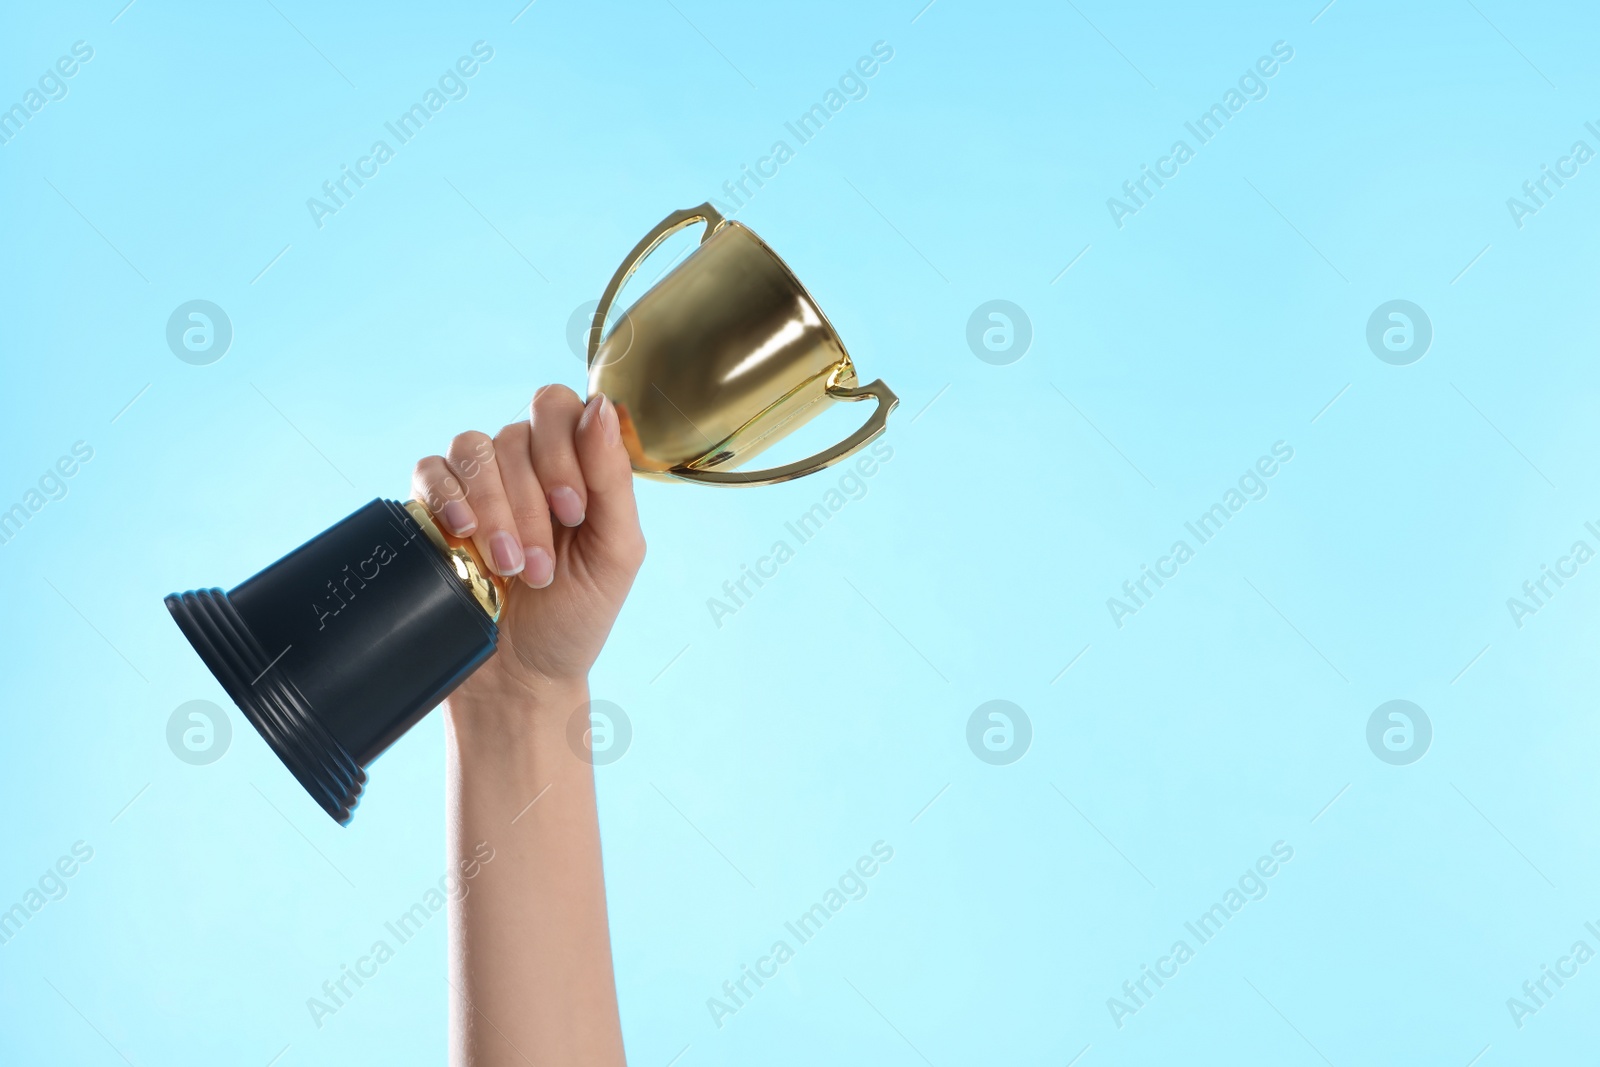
<point x="269" y="700"/>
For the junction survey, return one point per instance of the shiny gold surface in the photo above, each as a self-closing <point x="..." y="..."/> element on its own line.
<point x="722" y="358"/>
<point x="486" y="587"/>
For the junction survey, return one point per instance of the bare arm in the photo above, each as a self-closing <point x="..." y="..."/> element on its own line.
<point x="530" y="960"/>
<point x="530" y="954"/>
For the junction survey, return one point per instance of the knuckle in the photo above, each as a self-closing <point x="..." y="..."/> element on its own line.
<point x="511" y="435"/>
<point x="427" y="469"/>
<point x="434" y="484"/>
<point x="555" y="397"/>
<point x="471" y="445"/>
<point x="444" y="491"/>
<point x="529" y="515"/>
<point x="559" y="469"/>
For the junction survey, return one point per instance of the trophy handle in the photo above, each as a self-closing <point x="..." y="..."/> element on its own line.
<point x="874" y="426"/>
<point x="663" y="229"/>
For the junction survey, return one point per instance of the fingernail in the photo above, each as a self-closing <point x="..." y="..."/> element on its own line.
<point x="608" y="419"/>
<point x="458" y="517"/>
<point x="541" y="568"/>
<point x="567" y="507"/>
<point x="507" y="554"/>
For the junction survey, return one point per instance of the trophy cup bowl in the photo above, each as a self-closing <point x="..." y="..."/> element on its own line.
<point x="723" y="357"/>
<point x="340" y="647"/>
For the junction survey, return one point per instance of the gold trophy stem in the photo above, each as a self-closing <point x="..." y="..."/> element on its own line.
<point x="486" y="587"/>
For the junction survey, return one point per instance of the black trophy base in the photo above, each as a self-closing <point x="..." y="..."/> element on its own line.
<point x="274" y="706"/>
<point x="339" y="648"/>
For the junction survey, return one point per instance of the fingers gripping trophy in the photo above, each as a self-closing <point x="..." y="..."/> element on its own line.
<point x="340" y="647"/>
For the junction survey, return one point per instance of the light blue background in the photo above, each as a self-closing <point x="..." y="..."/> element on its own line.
<point x="826" y="714"/>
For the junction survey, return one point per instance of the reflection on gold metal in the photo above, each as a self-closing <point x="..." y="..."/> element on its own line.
<point x="722" y="358"/>
<point x="486" y="587"/>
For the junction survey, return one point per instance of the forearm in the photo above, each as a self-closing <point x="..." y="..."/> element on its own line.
<point x="530" y="953"/>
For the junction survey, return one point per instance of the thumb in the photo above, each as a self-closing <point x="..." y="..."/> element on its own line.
<point x="612" y="519"/>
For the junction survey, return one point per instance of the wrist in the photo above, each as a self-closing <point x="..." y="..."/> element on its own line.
<point x="494" y="713"/>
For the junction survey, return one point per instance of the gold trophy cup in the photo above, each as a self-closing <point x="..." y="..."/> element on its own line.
<point x="340" y="647"/>
<point x="724" y="356"/>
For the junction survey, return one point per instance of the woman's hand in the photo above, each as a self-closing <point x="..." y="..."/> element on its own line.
<point x="549" y="501"/>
